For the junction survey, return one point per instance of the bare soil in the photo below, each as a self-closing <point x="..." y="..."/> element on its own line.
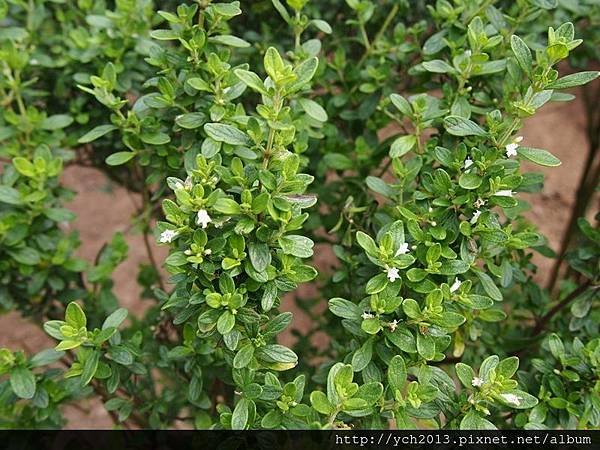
<point x="104" y="208"/>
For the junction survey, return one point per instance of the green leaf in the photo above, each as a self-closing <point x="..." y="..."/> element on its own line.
<point x="296" y="245"/>
<point x="522" y="53"/>
<point x="229" y="40"/>
<point x="473" y="421"/>
<point x="425" y="346"/>
<point x="322" y="26"/>
<point x="367" y="243"/>
<point x="465" y="374"/>
<point x="489" y="286"/>
<point x="243" y="356"/>
<point x="239" y="419"/>
<point x="75" y="316"/>
<point x="313" y="109"/>
<point x="376" y="284"/>
<point x="95" y="133"/>
<point x="397" y="373"/>
<point x="227" y="206"/>
<point x="23" y="166"/>
<point x="438" y="66"/>
<point x="573" y="80"/>
<point x="251" y="80"/>
<point x="226" y="322"/>
<point x="469" y="181"/>
<point x="523" y="399"/>
<point x="56" y="122"/>
<point x="362" y="356"/>
<point x="260" y="256"/>
<point x="190" y="121"/>
<point x="402" y="145"/>
<point x="276" y="353"/>
<point x="45" y="357"/>
<point x="344" y="308"/>
<point x="539" y="156"/>
<point x="459" y="126"/>
<point x="320" y="403"/>
<point x="164" y="35"/>
<point x="115" y="319"/>
<point x="59" y="214"/>
<point x="22" y="382"/>
<point x="221" y="132"/>
<point x="89" y="368"/>
<point x="273" y="63"/>
<point x="371" y="326"/>
<point x="401" y="104"/>
<point x="116" y="159"/>
<point x="10" y="195"/>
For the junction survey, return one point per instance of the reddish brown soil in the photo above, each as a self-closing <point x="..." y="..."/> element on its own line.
<point x="104" y="208"/>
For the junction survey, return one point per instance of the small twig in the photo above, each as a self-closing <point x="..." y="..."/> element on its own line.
<point x="544" y="320"/>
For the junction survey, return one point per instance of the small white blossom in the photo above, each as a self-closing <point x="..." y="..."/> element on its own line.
<point x="477" y="382"/>
<point x="208" y="251"/>
<point x="476" y="215"/>
<point x="402" y="250"/>
<point x="479" y="203"/>
<point x="167" y="236"/>
<point x="511" y="149"/>
<point x="367" y="315"/>
<point x="468" y="53"/>
<point x="504" y="193"/>
<point x="457" y="283"/>
<point x="203" y="218"/>
<point x="393" y="325"/>
<point x="511" y="398"/>
<point x="433" y="223"/>
<point x="468" y="163"/>
<point x="393" y="274"/>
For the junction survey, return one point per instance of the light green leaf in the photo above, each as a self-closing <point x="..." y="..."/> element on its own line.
<point x="539" y="156"/>
<point x="95" y="133"/>
<point x="221" y="132"/>
<point x="459" y="126"/>
<point x="22" y="382"/>
<point x="116" y="159"/>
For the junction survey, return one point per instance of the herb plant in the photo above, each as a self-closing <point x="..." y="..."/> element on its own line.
<point x="259" y="133"/>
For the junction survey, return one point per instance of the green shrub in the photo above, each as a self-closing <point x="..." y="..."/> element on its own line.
<point x="386" y="131"/>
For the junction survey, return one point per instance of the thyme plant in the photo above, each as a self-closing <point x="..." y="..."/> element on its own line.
<point x="259" y="133"/>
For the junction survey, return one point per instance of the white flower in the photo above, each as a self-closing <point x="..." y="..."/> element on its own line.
<point x="476" y="215"/>
<point x="468" y="163"/>
<point x="203" y="218"/>
<point x="393" y="325"/>
<point x="367" y="315"/>
<point x="402" y="250"/>
<point x="504" y="193"/>
<point x="208" y="251"/>
<point x="433" y="223"/>
<point x="477" y="382"/>
<point x="511" y="149"/>
<point x="393" y="274"/>
<point x="511" y="398"/>
<point x="479" y="203"/>
<point x="455" y="285"/>
<point x="167" y="236"/>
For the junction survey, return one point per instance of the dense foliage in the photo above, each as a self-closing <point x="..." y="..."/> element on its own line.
<point x="255" y="133"/>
